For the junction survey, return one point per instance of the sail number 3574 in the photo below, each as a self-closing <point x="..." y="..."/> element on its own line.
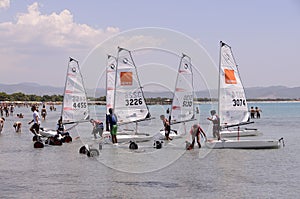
<point x="238" y="102"/>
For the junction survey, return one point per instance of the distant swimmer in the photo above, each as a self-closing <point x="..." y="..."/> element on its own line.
<point x="17" y="125"/>
<point x="20" y="115"/>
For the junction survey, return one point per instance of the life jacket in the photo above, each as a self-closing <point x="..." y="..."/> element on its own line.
<point x="113" y="119"/>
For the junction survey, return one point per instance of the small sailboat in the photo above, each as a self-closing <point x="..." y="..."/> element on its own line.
<point x="233" y="109"/>
<point x="182" y="108"/>
<point x="125" y="96"/>
<point x="75" y="106"/>
<point x="244" y="144"/>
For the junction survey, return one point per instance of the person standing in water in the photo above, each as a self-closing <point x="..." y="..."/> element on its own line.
<point x="257" y="111"/>
<point x="167" y="127"/>
<point x="36" y="121"/>
<point x="113" y="120"/>
<point x="2" y="119"/>
<point x="44" y="112"/>
<point x="252" y="112"/>
<point x="216" y="124"/>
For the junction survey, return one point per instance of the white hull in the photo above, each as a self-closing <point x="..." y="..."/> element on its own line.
<point x="127" y="137"/>
<point x="47" y="133"/>
<point x="242" y="144"/>
<point x="241" y="133"/>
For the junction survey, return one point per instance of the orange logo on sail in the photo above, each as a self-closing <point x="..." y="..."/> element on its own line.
<point x="229" y="76"/>
<point x="126" y="78"/>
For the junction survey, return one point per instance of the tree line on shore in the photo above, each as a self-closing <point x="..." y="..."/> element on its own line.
<point x="59" y="98"/>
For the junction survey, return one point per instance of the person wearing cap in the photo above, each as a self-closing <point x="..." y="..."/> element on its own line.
<point x="216" y="124"/>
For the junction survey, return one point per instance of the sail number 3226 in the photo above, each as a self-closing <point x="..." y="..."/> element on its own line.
<point x="239" y="102"/>
<point x="134" y="102"/>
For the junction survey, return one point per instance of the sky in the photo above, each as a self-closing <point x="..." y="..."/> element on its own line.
<point x="37" y="37"/>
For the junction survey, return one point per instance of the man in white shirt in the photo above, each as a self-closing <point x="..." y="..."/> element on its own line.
<point x="216" y="124"/>
<point x="36" y="121"/>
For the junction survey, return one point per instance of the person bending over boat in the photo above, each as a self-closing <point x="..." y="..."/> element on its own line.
<point x="196" y="132"/>
<point x="36" y="121"/>
<point x="167" y="127"/>
<point x="113" y="120"/>
<point x="17" y="125"/>
<point x="216" y="124"/>
<point x="97" y="127"/>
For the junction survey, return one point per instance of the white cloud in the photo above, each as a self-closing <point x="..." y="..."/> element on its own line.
<point x="37" y="42"/>
<point x="54" y="30"/>
<point x="4" y="4"/>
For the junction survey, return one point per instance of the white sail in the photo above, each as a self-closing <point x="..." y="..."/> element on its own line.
<point x="182" y="105"/>
<point x="129" y="99"/>
<point x="110" y="81"/>
<point x="233" y="107"/>
<point x="75" y="106"/>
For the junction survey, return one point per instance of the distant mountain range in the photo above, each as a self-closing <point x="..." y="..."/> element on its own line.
<point x="272" y="92"/>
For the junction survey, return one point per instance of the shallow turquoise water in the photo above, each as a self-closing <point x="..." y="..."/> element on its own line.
<point x="61" y="172"/>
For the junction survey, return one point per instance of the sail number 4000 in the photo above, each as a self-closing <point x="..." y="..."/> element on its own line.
<point x="134" y="102"/>
<point x="239" y="102"/>
<point x="79" y="105"/>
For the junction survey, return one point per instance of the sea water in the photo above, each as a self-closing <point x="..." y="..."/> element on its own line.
<point x="170" y="172"/>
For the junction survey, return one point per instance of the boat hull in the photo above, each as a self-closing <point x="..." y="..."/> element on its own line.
<point x="242" y="144"/>
<point x="126" y="137"/>
<point x="241" y="133"/>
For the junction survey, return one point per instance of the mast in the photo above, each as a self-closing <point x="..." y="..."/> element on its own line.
<point x="110" y="86"/>
<point x="219" y="86"/>
<point x="66" y="80"/>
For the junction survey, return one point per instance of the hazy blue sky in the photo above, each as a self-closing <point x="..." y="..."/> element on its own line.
<point x="37" y="37"/>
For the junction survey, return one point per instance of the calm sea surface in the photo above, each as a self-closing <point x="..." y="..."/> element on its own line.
<point x="170" y="172"/>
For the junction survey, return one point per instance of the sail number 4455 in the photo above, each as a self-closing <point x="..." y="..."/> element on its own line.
<point x="239" y="102"/>
<point x="79" y="105"/>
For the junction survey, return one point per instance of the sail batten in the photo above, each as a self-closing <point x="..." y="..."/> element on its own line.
<point x="233" y="107"/>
